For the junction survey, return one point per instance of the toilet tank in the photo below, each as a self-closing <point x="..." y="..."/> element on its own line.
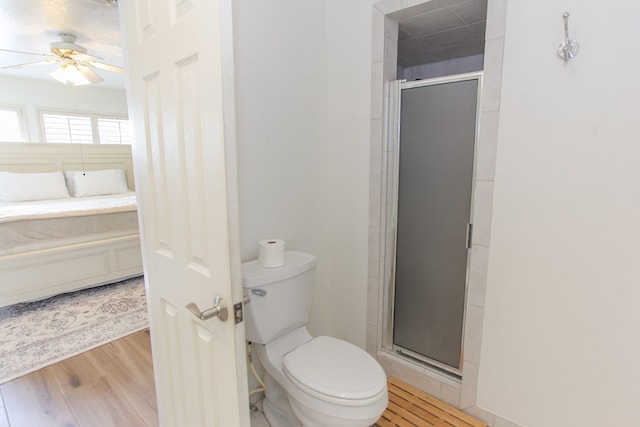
<point x="280" y="297"/>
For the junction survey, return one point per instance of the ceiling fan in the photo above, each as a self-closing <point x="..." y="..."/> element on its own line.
<point x="77" y="66"/>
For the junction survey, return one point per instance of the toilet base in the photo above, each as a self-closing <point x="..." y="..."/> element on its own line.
<point x="276" y="405"/>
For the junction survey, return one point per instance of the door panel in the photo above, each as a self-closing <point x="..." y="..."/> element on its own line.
<point x="437" y="138"/>
<point x="183" y="152"/>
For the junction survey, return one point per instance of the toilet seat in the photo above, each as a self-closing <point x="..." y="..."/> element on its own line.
<point x="335" y="371"/>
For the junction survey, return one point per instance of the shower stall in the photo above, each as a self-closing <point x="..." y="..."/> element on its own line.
<point x="432" y="136"/>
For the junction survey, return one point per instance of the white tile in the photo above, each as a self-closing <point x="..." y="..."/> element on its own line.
<point x="478" y="275"/>
<point x="416" y="377"/>
<point x="496" y="19"/>
<point x="473" y="333"/>
<point x="374" y="206"/>
<point x="390" y="70"/>
<point x="487" y="144"/>
<point x="469" y="388"/>
<point x="374" y="194"/>
<point x="451" y="394"/>
<point x="374" y="237"/>
<point x="492" y="80"/>
<point x="372" y="340"/>
<point x="377" y="129"/>
<point x="429" y="385"/>
<point x="391" y="29"/>
<point x="390" y="59"/>
<point x="375" y="161"/>
<point x="482" y="204"/>
<point x="374" y="251"/>
<point x="374" y="264"/>
<point x="377" y="36"/>
<point x="377" y="91"/>
<point x="385" y="362"/>
<point x="372" y="305"/>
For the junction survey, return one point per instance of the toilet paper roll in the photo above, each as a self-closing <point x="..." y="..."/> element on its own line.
<point x="271" y="253"/>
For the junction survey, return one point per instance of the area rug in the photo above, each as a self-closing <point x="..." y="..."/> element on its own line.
<point x="36" y="334"/>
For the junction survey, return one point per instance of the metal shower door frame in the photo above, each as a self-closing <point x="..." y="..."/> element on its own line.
<point x="392" y="141"/>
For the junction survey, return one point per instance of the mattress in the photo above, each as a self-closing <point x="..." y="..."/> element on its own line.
<point x="31" y="226"/>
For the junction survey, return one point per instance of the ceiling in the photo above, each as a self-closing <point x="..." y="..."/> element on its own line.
<point x="31" y="25"/>
<point x="430" y="32"/>
<point x="440" y="30"/>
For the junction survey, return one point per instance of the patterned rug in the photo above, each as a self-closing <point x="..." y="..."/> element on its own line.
<point x="40" y="333"/>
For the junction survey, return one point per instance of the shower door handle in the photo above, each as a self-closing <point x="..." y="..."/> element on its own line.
<point x="469" y="235"/>
<point x="219" y="309"/>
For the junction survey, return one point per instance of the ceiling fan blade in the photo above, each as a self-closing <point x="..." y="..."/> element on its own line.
<point x="29" y="64"/>
<point x="107" y="67"/>
<point x="86" y="57"/>
<point x="25" y="53"/>
<point x="89" y="74"/>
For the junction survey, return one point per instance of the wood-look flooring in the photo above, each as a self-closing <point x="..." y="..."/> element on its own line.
<point x="111" y="385"/>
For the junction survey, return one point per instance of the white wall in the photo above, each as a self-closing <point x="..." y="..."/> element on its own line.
<point x="349" y="95"/>
<point x="32" y="94"/>
<point x="560" y="344"/>
<point x="281" y="113"/>
<point x="303" y="103"/>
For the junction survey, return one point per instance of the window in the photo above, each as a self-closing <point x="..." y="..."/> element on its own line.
<point x="12" y="124"/>
<point x="84" y="128"/>
<point x="114" y="131"/>
<point x="67" y="129"/>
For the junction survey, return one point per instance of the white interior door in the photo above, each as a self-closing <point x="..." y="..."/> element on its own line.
<point x="179" y="72"/>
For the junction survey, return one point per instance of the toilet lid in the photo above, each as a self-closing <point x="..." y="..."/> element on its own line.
<point x="335" y="368"/>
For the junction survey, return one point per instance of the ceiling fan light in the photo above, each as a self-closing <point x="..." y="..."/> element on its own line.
<point x="70" y="74"/>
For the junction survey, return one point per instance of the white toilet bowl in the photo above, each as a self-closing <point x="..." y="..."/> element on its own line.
<point x="327" y="381"/>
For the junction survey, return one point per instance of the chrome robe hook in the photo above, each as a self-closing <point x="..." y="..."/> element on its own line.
<point x="568" y="48"/>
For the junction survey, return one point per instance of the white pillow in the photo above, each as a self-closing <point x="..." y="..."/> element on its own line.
<point x="22" y="187"/>
<point x="96" y="183"/>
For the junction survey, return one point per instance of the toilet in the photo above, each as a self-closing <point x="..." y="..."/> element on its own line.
<point x="310" y="382"/>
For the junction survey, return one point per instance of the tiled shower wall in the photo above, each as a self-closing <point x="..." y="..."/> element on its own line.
<point x="461" y="394"/>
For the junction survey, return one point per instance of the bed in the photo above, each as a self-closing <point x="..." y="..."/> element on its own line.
<point x="48" y="247"/>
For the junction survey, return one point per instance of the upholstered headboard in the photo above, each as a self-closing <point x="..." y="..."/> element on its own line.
<point x="33" y="157"/>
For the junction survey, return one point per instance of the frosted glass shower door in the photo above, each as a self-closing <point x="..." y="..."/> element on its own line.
<point x="434" y="186"/>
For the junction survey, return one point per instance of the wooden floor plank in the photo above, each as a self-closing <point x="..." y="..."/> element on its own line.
<point x="101" y="403"/>
<point x="36" y="400"/>
<point x="111" y="385"/>
<point x="130" y="366"/>
<point x="76" y="371"/>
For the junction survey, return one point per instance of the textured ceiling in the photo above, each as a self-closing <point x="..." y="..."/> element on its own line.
<point x="440" y="30"/>
<point x="430" y="32"/>
<point x="31" y="25"/>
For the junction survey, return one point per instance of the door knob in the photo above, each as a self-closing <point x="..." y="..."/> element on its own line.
<point x="219" y="309"/>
